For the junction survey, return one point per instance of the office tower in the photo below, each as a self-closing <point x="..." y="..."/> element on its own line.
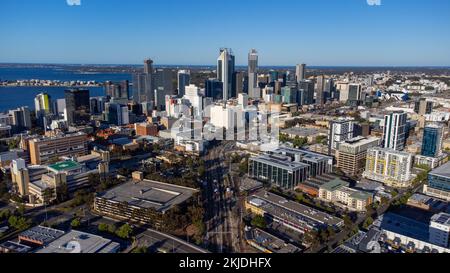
<point x="117" y="114"/>
<point x="433" y="137"/>
<point x="77" y="106"/>
<point x="59" y="107"/>
<point x="300" y="72"/>
<point x="340" y="131"/>
<point x="147" y="108"/>
<point x="143" y="88"/>
<point x="97" y="105"/>
<point x="354" y="93"/>
<point x="20" y="176"/>
<point x="394" y="131"/>
<point x="308" y="88"/>
<point x="388" y="166"/>
<point x="21" y="118"/>
<point x="46" y="149"/>
<point x="423" y="107"/>
<point x="273" y="76"/>
<point x="239" y="76"/>
<point x="329" y="90"/>
<point x="117" y="90"/>
<point x="291" y="95"/>
<point x="439" y="182"/>
<point x="279" y="170"/>
<point x="214" y="89"/>
<point x="225" y="72"/>
<point x="320" y="84"/>
<point x="184" y="79"/>
<point x="148" y="66"/>
<point x="351" y="154"/>
<point x="163" y="83"/>
<point x="439" y="230"/>
<point x="252" y="72"/>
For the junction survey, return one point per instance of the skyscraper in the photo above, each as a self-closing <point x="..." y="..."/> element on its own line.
<point x="423" y="107"/>
<point x="252" y="72"/>
<point x="77" y="106"/>
<point x="42" y="104"/>
<point x="308" y="89"/>
<point x="239" y="76"/>
<point x="300" y="72"/>
<point x="143" y="89"/>
<point x="214" y="89"/>
<point x="319" y="90"/>
<point x="184" y="79"/>
<point x="21" y="118"/>
<point x="433" y="136"/>
<point x="164" y="85"/>
<point x="394" y="132"/>
<point x="225" y="72"/>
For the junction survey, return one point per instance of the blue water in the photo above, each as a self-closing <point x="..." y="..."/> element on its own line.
<point x="13" y="97"/>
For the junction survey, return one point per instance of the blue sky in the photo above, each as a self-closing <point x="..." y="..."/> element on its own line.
<point x="285" y="32"/>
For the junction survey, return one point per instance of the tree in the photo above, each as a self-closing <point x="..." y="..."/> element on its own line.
<point x="259" y="221"/>
<point x="140" y="250"/>
<point x="19" y="222"/>
<point x="75" y="223"/>
<point x="367" y="223"/>
<point x="124" y="231"/>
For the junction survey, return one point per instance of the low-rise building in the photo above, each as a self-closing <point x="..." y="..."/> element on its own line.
<point x="293" y="215"/>
<point x="268" y="243"/>
<point x="339" y="192"/>
<point x="439" y="182"/>
<point x="142" y="201"/>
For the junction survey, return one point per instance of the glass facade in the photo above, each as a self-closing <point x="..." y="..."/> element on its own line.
<point x="431" y="141"/>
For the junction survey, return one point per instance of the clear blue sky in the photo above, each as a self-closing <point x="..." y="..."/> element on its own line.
<point x="285" y="32"/>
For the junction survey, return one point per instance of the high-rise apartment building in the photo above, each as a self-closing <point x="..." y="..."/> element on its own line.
<point x="340" y="130"/>
<point x="351" y="154"/>
<point x="394" y="131"/>
<point x="21" y="118"/>
<point x="20" y="176"/>
<point x="423" y="107"/>
<point x="390" y="167"/>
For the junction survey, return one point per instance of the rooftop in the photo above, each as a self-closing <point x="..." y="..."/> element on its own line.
<point x="334" y="185"/>
<point x="64" y="166"/>
<point x="80" y="242"/>
<point x="290" y="210"/>
<point x="280" y="161"/>
<point x="149" y="194"/>
<point x="40" y="234"/>
<point x="270" y="242"/>
<point x="443" y="170"/>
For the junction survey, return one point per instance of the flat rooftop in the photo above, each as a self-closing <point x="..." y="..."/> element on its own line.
<point x="280" y="161"/>
<point x="306" y="155"/>
<point x="88" y="243"/>
<point x="149" y="194"/>
<point x="303" y="131"/>
<point x="443" y="170"/>
<point x="270" y="242"/>
<point x="291" y="211"/>
<point x="64" y="166"/>
<point x="41" y="234"/>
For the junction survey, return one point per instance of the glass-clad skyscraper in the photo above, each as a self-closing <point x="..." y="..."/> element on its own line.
<point x="433" y="136"/>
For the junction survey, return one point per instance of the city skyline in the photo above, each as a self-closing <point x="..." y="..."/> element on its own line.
<point x="347" y="33"/>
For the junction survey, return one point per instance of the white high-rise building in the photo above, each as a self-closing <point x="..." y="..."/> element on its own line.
<point x="243" y="100"/>
<point x="394" y="132"/>
<point x="225" y="72"/>
<point x="253" y="74"/>
<point x="388" y="166"/>
<point x="194" y="98"/>
<point x="340" y="131"/>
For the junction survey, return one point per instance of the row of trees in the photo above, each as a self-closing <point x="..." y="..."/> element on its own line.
<point x="124" y="232"/>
